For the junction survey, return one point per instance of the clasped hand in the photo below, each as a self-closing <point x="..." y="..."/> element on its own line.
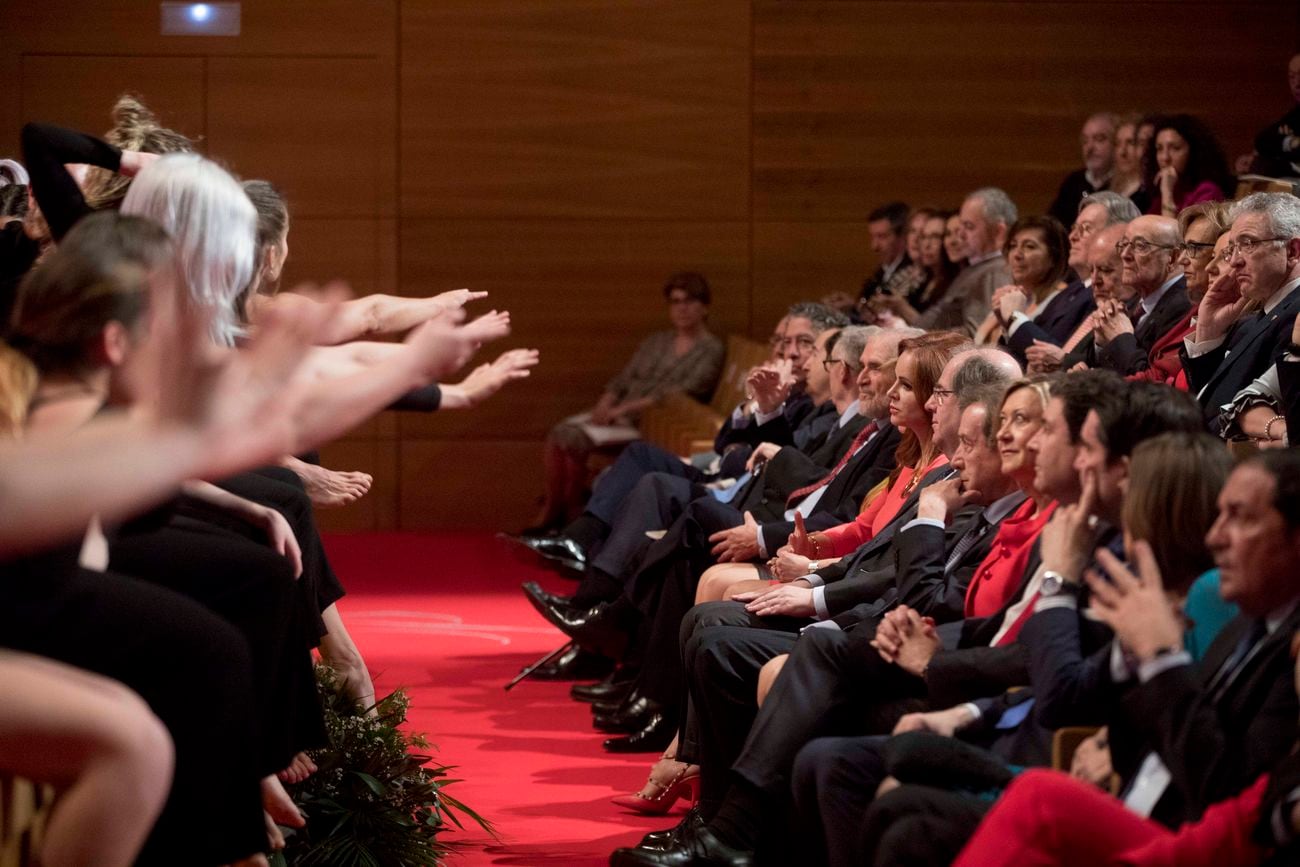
<point x="907" y="640"/>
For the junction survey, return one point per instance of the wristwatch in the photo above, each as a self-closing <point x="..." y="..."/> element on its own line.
<point x="1054" y="584"/>
<point x="812" y="566"/>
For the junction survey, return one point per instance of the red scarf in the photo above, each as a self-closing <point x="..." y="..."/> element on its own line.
<point x="999" y="576"/>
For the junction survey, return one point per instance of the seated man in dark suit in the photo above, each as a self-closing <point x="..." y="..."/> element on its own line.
<point x="823" y="688"/>
<point x="887" y="235"/>
<point x="776" y="414"/>
<point x="1107" y="269"/>
<point x="1058" y="320"/>
<point x="1242" y="328"/>
<point x="1097" y="141"/>
<point x="1151" y="253"/>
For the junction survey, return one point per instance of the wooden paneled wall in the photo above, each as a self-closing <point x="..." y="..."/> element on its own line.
<point x="567" y="155"/>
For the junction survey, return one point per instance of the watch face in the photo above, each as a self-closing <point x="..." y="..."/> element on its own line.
<point x="1051" y="584"/>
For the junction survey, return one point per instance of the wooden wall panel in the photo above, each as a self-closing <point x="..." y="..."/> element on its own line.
<point x="574" y="108"/>
<point x="318" y="127"/>
<point x="804" y="262"/>
<point x="79" y="92"/>
<point x="857" y="103"/>
<point x="462" y="483"/>
<point x="584" y="293"/>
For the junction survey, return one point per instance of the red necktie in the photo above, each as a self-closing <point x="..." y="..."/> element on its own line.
<point x="861" y="438"/>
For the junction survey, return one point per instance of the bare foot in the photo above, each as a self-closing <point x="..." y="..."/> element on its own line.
<point x="328" y="487"/>
<point x="279" y="806"/>
<point x="299" y="769"/>
<point x="274" y="836"/>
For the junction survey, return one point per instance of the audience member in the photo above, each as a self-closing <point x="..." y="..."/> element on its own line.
<point x="986" y="218"/>
<point x="1185" y="165"/>
<point x="1097" y="140"/>
<point x="1152" y="260"/>
<point x="1128" y="178"/>
<point x="888" y="229"/>
<point x="1038" y="252"/>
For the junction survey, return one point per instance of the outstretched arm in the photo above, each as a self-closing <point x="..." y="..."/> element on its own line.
<point x="374" y="315"/>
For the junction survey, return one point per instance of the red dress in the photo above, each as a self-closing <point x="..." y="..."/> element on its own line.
<point x="999" y="575"/>
<point x="847" y="538"/>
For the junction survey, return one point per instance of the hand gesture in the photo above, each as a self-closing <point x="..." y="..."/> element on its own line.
<point x="799" y="541"/>
<point x="761" y="455"/>
<point x="487" y="379"/>
<point x="788" y="566"/>
<point x="1135" y="607"/>
<point x="1091" y="761"/>
<point x="940" y="500"/>
<point x="769" y="385"/>
<point x="787" y="600"/>
<point x="1068" y="535"/>
<point x="457" y="298"/>
<point x="1111" y="321"/>
<point x="1044" y="357"/>
<point x="1014" y="300"/>
<point x="1222" y="305"/>
<point x="907" y="639"/>
<point x="941" y="722"/>
<point x="1167" y="179"/>
<point x="738" y="544"/>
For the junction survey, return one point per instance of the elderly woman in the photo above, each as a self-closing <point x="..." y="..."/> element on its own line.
<point x="687" y="358"/>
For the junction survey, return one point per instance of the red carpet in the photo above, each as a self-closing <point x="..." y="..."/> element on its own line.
<point x="442" y="615"/>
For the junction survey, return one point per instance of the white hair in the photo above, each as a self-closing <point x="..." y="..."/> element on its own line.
<point x="998" y="207"/>
<point x="214" y="225"/>
<point x="1282" y="210"/>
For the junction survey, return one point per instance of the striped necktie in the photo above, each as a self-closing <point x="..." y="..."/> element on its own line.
<point x="862" y="437"/>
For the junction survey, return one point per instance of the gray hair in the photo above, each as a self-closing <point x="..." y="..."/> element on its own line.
<point x="821" y="316"/>
<point x="214" y="225"/>
<point x="853" y="339"/>
<point x="974" y="377"/>
<point x="1282" y="210"/>
<point x="997" y="205"/>
<point x="990" y="397"/>
<point x="1119" y="209"/>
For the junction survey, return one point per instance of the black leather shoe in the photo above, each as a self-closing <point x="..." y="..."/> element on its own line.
<point x="560" y="549"/>
<point x="628" y="719"/>
<point x="666" y="839"/>
<point x="612" y="689"/>
<point x="596" y="629"/>
<point x="693" y="847"/>
<point x="542" y="600"/>
<point x="653" y="737"/>
<point x="574" y="664"/>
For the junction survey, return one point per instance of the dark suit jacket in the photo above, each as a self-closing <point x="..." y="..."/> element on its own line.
<point x="1130" y="353"/>
<point x="793" y="468"/>
<point x="1212" y="750"/>
<point x="779" y="430"/>
<point x="919" y="582"/>
<point x="843" y="497"/>
<point x="1251" y="345"/>
<point x="1055" y="322"/>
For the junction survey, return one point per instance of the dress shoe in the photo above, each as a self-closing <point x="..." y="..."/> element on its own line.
<point x="542" y="600"/>
<point x="559" y="549"/>
<point x="629" y="718"/>
<point x="653" y="737"/>
<point x="666" y="839"/>
<point x="597" y="629"/>
<point x="613" y="688"/>
<point x="574" y="664"/>
<point x="695" y="846"/>
<point x="655" y="798"/>
<point x="617" y="706"/>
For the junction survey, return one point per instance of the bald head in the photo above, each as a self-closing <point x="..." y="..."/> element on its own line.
<point x="1150" y="255"/>
<point x="1104" y="264"/>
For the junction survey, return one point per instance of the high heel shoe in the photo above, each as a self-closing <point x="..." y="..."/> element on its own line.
<point x="685" y="784"/>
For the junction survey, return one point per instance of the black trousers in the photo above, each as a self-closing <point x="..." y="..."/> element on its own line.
<point x="835" y="781"/>
<point x="633" y="463"/>
<point x="193" y="669"/>
<point x="252" y="587"/>
<point x="282" y="490"/>
<point x="918" y="826"/>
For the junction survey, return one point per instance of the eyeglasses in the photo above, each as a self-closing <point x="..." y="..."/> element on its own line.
<point x="1141" y="246"/>
<point x="1196" y="248"/>
<point x="827" y="362"/>
<point x="941" y="394"/>
<point x="804" y="343"/>
<point x="1247" y="245"/>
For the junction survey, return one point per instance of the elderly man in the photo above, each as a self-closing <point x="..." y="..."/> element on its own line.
<point x="1241" y="327"/>
<point x="1105" y="268"/>
<point x="986" y="217"/>
<point x="1151" y="253"/>
<point x="1097" y="141"/>
<point x="1055" y="322"/>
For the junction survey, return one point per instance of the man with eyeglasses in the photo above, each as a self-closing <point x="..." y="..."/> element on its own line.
<point x="1151" y="254"/>
<point x="1243" y="325"/>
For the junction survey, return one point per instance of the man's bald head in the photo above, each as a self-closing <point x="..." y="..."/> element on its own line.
<point x="1150" y="253"/>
